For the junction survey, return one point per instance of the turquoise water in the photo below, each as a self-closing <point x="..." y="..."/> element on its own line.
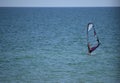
<point x="48" y="45"/>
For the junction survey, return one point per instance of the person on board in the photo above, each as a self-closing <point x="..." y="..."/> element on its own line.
<point x="91" y="49"/>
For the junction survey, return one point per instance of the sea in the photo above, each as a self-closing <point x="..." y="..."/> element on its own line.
<point x="49" y="45"/>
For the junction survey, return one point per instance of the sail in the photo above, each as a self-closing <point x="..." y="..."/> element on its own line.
<point x="92" y="38"/>
<point x="90" y="26"/>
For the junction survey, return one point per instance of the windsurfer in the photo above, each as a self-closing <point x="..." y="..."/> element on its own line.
<point x="91" y="49"/>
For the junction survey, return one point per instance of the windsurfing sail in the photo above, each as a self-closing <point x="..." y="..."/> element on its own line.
<point x="92" y="38"/>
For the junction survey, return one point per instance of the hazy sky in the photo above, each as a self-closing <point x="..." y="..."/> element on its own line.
<point x="59" y="3"/>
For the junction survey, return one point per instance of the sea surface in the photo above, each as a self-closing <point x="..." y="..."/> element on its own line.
<point x="49" y="45"/>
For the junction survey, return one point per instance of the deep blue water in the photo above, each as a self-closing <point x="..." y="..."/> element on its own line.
<point x="48" y="45"/>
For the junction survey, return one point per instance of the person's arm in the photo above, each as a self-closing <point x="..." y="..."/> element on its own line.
<point x="98" y="41"/>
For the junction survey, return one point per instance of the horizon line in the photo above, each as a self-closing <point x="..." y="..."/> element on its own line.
<point x="59" y="6"/>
